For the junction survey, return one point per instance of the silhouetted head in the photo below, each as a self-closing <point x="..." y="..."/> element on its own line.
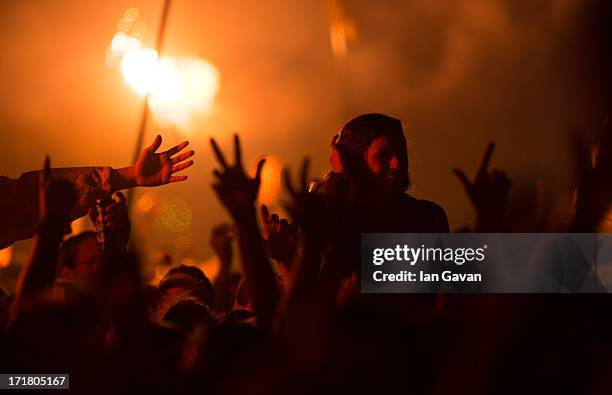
<point x="181" y="282"/>
<point x="374" y="149"/>
<point x="78" y="257"/>
<point x="187" y="313"/>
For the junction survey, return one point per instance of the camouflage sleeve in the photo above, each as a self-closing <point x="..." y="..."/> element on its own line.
<point x="19" y="198"/>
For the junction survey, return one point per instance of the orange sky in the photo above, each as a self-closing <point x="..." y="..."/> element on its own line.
<point x="458" y="73"/>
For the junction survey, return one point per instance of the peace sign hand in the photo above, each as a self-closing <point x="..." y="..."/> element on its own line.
<point x="235" y="189"/>
<point x="490" y="190"/>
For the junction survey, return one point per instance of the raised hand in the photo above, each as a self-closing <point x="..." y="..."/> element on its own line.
<point x="489" y="191"/>
<point x="594" y="195"/>
<point x="279" y="235"/>
<point x="154" y="169"/>
<point x="56" y="198"/>
<point x="307" y="209"/>
<point x="335" y="159"/>
<point x="236" y="190"/>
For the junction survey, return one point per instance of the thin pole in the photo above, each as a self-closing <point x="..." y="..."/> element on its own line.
<point x="144" y="116"/>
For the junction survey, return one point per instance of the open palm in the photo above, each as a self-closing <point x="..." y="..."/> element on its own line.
<point x="154" y="169"/>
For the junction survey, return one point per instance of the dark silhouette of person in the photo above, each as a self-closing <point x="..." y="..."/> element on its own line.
<point x="370" y="176"/>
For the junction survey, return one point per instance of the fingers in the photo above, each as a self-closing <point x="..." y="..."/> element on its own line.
<point x="45" y="175"/>
<point x="290" y="208"/>
<point x="182" y="157"/>
<point x="116" y="209"/>
<point x="177" y="148"/>
<point x="47" y="168"/>
<point x="303" y="178"/>
<point x="486" y="159"/>
<point x="462" y="178"/>
<point x="237" y="151"/>
<point x="266" y="221"/>
<point x="305" y="165"/>
<point x="121" y="197"/>
<point x="287" y="182"/>
<point x="218" y="153"/>
<point x="177" y="178"/>
<point x="217" y="189"/>
<point x="222" y="233"/>
<point x="260" y="166"/>
<point x="181" y="166"/>
<point x="221" y="229"/>
<point x="502" y="179"/>
<point x="156" y="144"/>
<point x="273" y="226"/>
<point x="283" y="226"/>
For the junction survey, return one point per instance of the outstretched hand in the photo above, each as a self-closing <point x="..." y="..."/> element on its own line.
<point x="236" y="190"/>
<point x="489" y="191"/>
<point x="154" y="168"/>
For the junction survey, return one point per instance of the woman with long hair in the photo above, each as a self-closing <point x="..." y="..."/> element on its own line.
<point x="370" y="176"/>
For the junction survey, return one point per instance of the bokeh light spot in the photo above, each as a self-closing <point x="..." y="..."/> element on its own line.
<point x="175" y="215"/>
<point x="145" y="203"/>
<point x="5" y="257"/>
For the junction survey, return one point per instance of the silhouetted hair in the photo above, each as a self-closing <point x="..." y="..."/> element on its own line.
<point x="191" y="278"/>
<point x="357" y="135"/>
<point x="188" y="313"/>
<point x="68" y="247"/>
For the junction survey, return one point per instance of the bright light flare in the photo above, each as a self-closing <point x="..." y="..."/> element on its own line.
<point x="139" y="69"/>
<point x="178" y="87"/>
<point x="183" y="88"/>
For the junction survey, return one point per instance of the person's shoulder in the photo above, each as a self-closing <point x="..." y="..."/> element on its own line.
<point x="427" y="209"/>
<point x="422" y="204"/>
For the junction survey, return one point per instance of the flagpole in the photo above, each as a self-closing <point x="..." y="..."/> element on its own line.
<point x="144" y="116"/>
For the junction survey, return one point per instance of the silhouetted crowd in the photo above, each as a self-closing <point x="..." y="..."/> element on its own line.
<point x="294" y="320"/>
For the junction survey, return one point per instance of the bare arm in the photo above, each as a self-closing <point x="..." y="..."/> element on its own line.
<point x="238" y="193"/>
<point x="18" y="198"/>
<point x="56" y="200"/>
